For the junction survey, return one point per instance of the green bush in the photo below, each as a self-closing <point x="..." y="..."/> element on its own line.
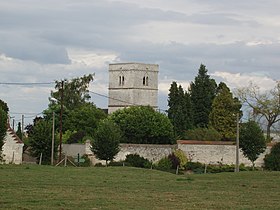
<point x="203" y="134"/>
<point x="199" y="168"/>
<point x="174" y="160"/>
<point x="182" y="158"/>
<point x="99" y="165"/>
<point x="164" y="164"/>
<point x="116" y="163"/>
<point x="87" y="161"/>
<point x="272" y="160"/>
<point x="136" y="160"/>
<point x="195" y="167"/>
<point x="220" y="168"/>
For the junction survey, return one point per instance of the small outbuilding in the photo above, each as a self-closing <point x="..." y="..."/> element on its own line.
<point x="12" y="149"/>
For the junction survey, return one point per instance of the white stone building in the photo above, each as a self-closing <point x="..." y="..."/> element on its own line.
<point x="132" y="84"/>
<point x="12" y="149"/>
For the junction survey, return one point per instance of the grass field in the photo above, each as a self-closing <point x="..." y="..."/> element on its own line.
<point x="46" y="187"/>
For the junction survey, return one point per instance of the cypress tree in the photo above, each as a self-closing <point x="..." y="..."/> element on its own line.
<point x="19" y="132"/>
<point x="179" y="111"/>
<point x="202" y="93"/>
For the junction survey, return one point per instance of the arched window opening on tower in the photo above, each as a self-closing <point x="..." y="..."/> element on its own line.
<point x="145" y="80"/>
<point x="121" y="80"/>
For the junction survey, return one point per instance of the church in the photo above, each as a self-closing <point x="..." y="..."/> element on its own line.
<point x="132" y="84"/>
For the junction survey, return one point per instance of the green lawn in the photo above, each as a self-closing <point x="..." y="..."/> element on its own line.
<point x="46" y="187"/>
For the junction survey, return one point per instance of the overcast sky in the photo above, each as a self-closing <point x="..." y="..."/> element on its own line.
<point x="43" y="41"/>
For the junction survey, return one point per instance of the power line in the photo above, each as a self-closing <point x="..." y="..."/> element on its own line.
<point x="26" y="83"/>
<point x="126" y="102"/>
<point x="25" y="113"/>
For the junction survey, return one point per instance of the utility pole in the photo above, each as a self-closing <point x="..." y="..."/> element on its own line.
<point x="237" y="144"/>
<point x="22" y="125"/>
<point x="52" y="153"/>
<point x="61" y="112"/>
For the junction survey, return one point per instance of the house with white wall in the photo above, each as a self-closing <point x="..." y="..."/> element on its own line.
<point x="12" y="149"/>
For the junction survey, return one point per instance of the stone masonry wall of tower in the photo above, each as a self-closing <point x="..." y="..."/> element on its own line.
<point x="132" y="84"/>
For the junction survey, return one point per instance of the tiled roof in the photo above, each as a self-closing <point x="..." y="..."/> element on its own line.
<point x="205" y="142"/>
<point x="12" y="133"/>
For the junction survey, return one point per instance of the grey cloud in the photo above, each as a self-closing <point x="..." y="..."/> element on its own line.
<point x="221" y="19"/>
<point x="31" y="48"/>
<point x="182" y="61"/>
<point x="44" y="31"/>
<point x="40" y="32"/>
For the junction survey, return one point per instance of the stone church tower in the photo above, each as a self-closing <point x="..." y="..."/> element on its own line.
<point x="132" y="84"/>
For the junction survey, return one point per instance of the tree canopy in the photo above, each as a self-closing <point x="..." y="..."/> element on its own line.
<point x="75" y="91"/>
<point x="264" y="104"/>
<point x="4" y="106"/>
<point x="202" y="93"/>
<point x="272" y="160"/>
<point x="223" y="116"/>
<point x="79" y="116"/>
<point x="19" y="130"/>
<point x="105" y="145"/>
<point x="252" y="141"/>
<point x="85" y="118"/>
<point x="3" y="123"/>
<point x="179" y="111"/>
<point x="3" y="127"/>
<point x="143" y="125"/>
<point x="40" y="140"/>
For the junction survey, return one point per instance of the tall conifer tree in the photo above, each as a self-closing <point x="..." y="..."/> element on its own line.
<point x="224" y="111"/>
<point x="179" y="111"/>
<point x="19" y="131"/>
<point x="202" y="93"/>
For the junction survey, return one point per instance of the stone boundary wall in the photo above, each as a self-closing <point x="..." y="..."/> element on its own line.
<point x="206" y="152"/>
<point x="152" y="152"/>
<point x="217" y="152"/>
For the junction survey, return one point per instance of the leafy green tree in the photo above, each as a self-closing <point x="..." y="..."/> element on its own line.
<point x="29" y="127"/>
<point x="179" y="111"/>
<point x="3" y="128"/>
<point x="224" y="111"/>
<point x="76" y="137"/>
<point x="272" y="160"/>
<point x="143" y="125"/>
<point x="252" y="141"/>
<point x="40" y="141"/>
<point x="78" y="113"/>
<point x="105" y="145"/>
<point x="202" y="93"/>
<point x="4" y="106"/>
<point x="203" y="134"/>
<point x="85" y="118"/>
<point x="264" y="104"/>
<point x="75" y="91"/>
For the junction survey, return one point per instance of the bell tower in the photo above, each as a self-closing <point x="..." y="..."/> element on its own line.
<point x="132" y="84"/>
